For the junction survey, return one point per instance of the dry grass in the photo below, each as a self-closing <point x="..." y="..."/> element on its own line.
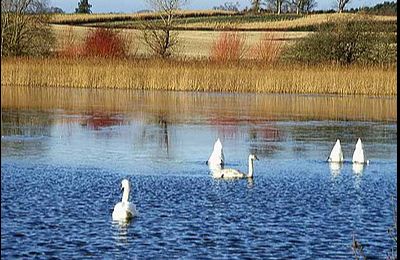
<point x="199" y="76"/>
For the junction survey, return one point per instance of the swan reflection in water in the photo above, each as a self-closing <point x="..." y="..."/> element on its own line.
<point x="250" y="183"/>
<point x="335" y="168"/>
<point x="120" y="230"/>
<point x="358" y="168"/>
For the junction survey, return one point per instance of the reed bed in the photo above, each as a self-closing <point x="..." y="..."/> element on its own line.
<point x="201" y="75"/>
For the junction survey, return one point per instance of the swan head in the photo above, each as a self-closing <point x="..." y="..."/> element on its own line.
<point x="126" y="187"/>
<point x="253" y="157"/>
<point x="125" y="184"/>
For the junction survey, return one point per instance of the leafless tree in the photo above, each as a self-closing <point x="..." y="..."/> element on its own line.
<point x="341" y="4"/>
<point x="24" y="28"/>
<point x="304" y="5"/>
<point x="309" y="5"/>
<point x="159" y="36"/>
<point x="256" y="5"/>
<point x="276" y="4"/>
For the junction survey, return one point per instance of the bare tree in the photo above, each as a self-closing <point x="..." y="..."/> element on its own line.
<point x="159" y="36"/>
<point x="228" y="6"/>
<point x="24" y="28"/>
<point x="341" y="4"/>
<point x="276" y="4"/>
<point x="304" y="5"/>
<point x="256" y="5"/>
<point x="309" y="5"/>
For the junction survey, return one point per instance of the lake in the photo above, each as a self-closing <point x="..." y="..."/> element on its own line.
<point x="64" y="153"/>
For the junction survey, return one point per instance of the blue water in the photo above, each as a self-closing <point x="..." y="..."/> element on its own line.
<point x="61" y="172"/>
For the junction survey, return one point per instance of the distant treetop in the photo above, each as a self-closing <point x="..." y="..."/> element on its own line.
<point x="83" y="7"/>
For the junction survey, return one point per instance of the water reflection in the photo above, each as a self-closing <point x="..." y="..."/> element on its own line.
<point x="335" y="168"/>
<point x="250" y="183"/>
<point x="185" y="105"/>
<point x="358" y="168"/>
<point x="98" y="120"/>
<point x="111" y="136"/>
<point x="265" y="139"/>
<point x="121" y="228"/>
<point x="156" y="130"/>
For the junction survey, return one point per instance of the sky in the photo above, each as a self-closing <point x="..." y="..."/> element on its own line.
<point x="131" y="6"/>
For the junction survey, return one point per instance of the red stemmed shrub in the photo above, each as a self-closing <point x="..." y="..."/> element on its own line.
<point x="230" y="46"/>
<point x="104" y="43"/>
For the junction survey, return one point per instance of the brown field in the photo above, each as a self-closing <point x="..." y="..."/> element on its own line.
<point x="203" y="75"/>
<point x="241" y="23"/>
<point x="193" y="43"/>
<point x="308" y="20"/>
<point x="91" y="18"/>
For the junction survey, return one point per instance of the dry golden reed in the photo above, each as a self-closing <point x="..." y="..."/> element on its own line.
<point x="245" y="76"/>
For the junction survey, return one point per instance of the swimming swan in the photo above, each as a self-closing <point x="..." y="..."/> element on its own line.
<point x="336" y="153"/>
<point x="235" y="174"/>
<point x="124" y="210"/>
<point x="358" y="155"/>
<point x="216" y="160"/>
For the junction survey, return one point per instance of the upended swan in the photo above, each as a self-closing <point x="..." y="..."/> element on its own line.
<point x="336" y="153"/>
<point x="235" y="174"/>
<point x="124" y="210"/>
<point x="216" y="160"/>
<point x="358" y="155"/>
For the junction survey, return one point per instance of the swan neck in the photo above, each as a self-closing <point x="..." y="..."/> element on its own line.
<point x="125" y="195"/>
<point x="250" y="175"/>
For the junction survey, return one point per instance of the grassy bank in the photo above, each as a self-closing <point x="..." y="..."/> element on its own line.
<point x="199" y="76"/>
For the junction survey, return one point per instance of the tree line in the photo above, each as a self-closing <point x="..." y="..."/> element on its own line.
<point x="304" y="6"/>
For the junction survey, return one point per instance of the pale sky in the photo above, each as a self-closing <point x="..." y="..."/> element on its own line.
<point x="130" y="6"/>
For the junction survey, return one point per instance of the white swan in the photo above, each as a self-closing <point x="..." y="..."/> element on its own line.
<point x="235" y="174"/>
<point x="358" y="155"/>
<point x="336" y="153"/>
<point x="124" y="210"/>
<point x="216" y="160"/>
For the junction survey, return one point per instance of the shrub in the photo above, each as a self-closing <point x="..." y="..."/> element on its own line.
<point x="70" y="48"/>
<point x="354" y="40"/>
<point x="268" y="49"/>
<point x="103" y="42"/>
<point x="229" y="46"/>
